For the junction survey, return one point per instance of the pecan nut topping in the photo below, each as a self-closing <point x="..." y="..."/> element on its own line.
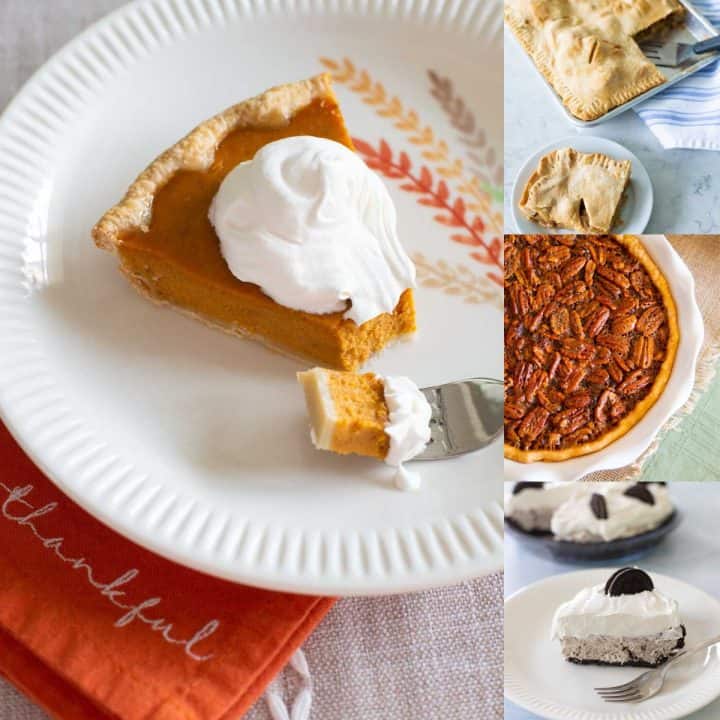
<point x="590" y="338"/>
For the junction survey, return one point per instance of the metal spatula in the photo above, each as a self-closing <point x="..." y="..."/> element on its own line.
<point x="467" y="415"/>
<point x="674" y="54"/>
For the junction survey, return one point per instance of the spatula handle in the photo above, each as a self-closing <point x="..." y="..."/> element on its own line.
<point x="712" y="43"/>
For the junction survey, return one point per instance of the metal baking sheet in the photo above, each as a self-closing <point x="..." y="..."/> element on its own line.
<point x="696" y="28"/>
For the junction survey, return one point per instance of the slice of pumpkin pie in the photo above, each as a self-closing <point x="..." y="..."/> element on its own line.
<point x="264" y="223"/>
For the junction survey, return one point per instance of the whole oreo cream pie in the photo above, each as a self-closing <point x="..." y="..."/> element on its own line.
<point x="584" y="512"/>
<point x="626" y="621"/>
<point x="611" y="511"/>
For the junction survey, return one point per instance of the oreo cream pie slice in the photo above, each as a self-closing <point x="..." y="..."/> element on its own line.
<point x="626" y="621"/>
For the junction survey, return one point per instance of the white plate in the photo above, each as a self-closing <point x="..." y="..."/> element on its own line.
<point x="538" y="678"/>
<point x="196" y="444"/>
<point x="637" y="208"/>
<point x="633" y="444"/>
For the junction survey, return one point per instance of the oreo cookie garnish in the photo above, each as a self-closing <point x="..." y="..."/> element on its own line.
<point x="641" y="493"/>
<point x="519" y="487"/>
<point x="628" y="581"/>
<point x="598" y="506"/>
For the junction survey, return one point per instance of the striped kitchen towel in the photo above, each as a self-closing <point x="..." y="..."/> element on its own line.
<point x="687" y="115"/>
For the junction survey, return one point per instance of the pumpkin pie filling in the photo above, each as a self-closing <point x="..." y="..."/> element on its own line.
<point x="176" y="257"/>
<point x="347" y="412"/>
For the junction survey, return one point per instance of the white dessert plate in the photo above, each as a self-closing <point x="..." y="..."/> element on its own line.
<point x="637" y="208"/>
<point x="538" y="678"/>
<point x="195" y="444"/>
<point x="633" y="444"/>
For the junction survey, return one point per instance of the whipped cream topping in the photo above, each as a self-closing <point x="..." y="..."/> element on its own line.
<point x="309" y="223"/>
<point x="627" y="516"/>
<point x="408" y="427"/>
<point x="592" y="612"/>
<point x="548" y="497"/>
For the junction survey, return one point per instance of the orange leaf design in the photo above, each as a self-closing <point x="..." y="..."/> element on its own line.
<point x="425" y="137"/>
<point x="454" y="211"/>
<point x="392" y="109"/>
<point x="408" y="121"/>
<point x="377" y="96"/>
<point x="458" y="280"/>
<point x="363" y="83"/>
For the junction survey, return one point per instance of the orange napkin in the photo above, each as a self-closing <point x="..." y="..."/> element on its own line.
<point x="94" y="627"/>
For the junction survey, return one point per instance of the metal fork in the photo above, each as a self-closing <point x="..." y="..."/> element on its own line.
<point x="466" y="415"/>
<point x="649" y="683"/>
<point x="674" y="54"/>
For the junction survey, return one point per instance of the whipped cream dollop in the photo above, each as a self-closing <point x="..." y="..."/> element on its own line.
<point x="548" y="496"/>
<point x="408" y="427"/>
<point x="592" y="612"/>
<point x="309" y="223"/>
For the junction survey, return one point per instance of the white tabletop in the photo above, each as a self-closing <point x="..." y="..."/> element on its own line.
<point x="686" y="182"/>
<point x="687" y="554"/>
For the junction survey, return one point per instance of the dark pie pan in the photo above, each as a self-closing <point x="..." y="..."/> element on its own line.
<point x="544" y="544"/>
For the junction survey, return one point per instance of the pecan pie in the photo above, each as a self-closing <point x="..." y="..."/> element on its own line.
<point x="591" y="334"/>
<point x="587" y="49"/>
<point x="576" y="191"/>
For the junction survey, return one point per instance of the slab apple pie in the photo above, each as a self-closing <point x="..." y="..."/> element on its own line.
<point x="591" y="334"/>
<point x="587" y="49"/>
<point x="576" y="191"/>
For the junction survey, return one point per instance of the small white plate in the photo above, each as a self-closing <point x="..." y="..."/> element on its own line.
<point x="538" y="678"/>
<point x="637" y="208"/>
<point x="633" y="444"/>
<point x="190" y="442"/>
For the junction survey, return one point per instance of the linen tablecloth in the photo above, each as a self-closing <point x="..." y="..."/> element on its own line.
<point x="686" y="448"/>
<point x="426" y="656"/>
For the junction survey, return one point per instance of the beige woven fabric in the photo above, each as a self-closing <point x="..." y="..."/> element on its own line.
<point x="702" y="255"/>
<point x="434" y="655"/>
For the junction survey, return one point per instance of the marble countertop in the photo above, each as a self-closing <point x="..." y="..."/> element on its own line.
<point x="686" y="182"/>
<point x="686" y="554"/>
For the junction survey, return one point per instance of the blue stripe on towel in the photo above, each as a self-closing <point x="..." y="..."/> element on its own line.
<point x="688" y="114"/>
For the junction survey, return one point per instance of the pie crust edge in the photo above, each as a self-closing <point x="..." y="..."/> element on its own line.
<point x="635" y="247"/>
<point x="196" y="152"/>
<point x="577" y="107"/>
<point x="620" y="169"/>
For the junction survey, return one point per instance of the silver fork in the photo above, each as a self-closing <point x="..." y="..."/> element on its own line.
<point x="649" y="683"/>
<point x="466" y="415"/>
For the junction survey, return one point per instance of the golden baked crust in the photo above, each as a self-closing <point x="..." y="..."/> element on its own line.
<point x="636" y="249"/>
<point x="586" y="49"/>
<point x="196" y="151"/>
<point x="576" y="191"/>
